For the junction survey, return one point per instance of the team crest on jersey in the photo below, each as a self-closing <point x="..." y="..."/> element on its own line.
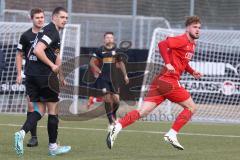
<point x="189" y="55"/>
<point x="190" y="47"/>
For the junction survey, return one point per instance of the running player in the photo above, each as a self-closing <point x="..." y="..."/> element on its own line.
<point x="176" y="52"/>
<point x="43" y="61"/>
<point x="24" y="45"/>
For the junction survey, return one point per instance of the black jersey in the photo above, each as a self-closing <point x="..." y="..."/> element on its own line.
<point x="48" y="35"/>
<point x="25" y="43"/>
<point x="107" y="58"/>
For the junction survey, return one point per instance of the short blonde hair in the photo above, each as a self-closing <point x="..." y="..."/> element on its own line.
<point x="192" y="20"/>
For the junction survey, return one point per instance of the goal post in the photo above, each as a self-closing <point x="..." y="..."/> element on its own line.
<point x="70" y="49"/>
<point x="13" y="96"/>
<point x="217" y="94"/>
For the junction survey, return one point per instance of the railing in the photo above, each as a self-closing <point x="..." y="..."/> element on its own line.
<point x="138" y="29"/>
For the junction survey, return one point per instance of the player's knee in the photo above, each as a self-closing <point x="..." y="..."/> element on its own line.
<point x="38" y="108"/>
<point x="192" y="107"/>
<point x="30" y="107"/>
<point x="143" y="113"/>
<point x="107" y="98"/>
<point x="116" y="99"/>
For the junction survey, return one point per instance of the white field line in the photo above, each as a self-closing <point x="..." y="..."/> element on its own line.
<point x="133" y="131"/>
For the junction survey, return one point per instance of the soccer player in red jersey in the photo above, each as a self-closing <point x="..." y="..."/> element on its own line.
<point x="176" y="52"/>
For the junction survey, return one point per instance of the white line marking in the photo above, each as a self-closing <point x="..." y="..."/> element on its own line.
<point x="133" y="131"/>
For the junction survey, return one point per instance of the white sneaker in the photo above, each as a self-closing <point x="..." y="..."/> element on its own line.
<point x="59" y="150"/>
<point x="112" y="135"/>
<point x="171" y="139"/>
<point x="18" y="142"/>
<point x="110" y="127"/>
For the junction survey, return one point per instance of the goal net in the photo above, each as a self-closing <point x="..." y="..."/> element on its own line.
<point x="13" y="96"/>
<point x="217" y="94"/>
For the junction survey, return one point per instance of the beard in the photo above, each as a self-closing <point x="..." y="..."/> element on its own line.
<point x="110" y="46"/>
<point x="193" y="36"/>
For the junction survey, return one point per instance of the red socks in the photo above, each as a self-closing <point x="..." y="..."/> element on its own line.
<point x="129" y="118"/>
<point x="134" y="115"/>
<point x="182" y="119"/>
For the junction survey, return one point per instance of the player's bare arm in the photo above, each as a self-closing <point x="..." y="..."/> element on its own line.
<point x="194" y="73"/>
<point x="94" y="66"/>
<point x="40" y="53"/>
<point x="19" y="58"/>
<point x="197" y="74"/>
<point x="121" y="65"/>
<point x="58" y="62"/>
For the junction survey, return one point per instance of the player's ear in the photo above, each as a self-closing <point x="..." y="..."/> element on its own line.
<point x="54" y="17"/>
<point x="29" y="16"/>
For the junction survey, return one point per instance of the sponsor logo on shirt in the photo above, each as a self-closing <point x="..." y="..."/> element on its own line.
<point x="33" y="58"/>
<point x="189" y="55"/>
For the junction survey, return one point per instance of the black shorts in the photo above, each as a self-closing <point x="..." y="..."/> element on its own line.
<point x="42" y="88"/>
<point x="107" y="85"/>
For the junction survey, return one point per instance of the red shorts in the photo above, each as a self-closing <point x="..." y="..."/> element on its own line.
<point x="163" y="88"/>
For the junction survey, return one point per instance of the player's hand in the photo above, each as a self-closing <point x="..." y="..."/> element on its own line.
<point x="61" y="79"/>
<point x="63" y="82"/>
<point x="55" y="68"/>
<point x="126" y="79"/>
<point x="197" y="74"/>
<point x="170" y="68"/>
<point x="19" y="79"/>
<point x="97" y="73"/>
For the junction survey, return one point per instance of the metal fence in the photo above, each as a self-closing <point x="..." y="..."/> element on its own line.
<point x="138" y="29"/>
<point x="130" y="19"/>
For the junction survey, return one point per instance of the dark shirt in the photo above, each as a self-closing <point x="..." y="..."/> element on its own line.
<point x="25" y="44"/>
<point x="108" y="69"/>
<point x="48" y="35"/>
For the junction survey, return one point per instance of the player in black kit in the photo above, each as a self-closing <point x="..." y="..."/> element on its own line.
<point x="108" y="77"/>
<point x="43" y="61"/>
<point x="24" y="46"/>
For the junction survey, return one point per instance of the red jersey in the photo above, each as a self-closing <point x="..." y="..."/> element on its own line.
<point x="177" y="51"/>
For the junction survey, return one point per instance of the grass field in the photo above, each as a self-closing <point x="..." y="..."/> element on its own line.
<point x="141" y="141"/>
